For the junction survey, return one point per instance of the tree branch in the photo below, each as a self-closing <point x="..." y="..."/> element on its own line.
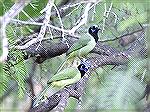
<point x="14" y="10"/>
<point x="76" y="90"/>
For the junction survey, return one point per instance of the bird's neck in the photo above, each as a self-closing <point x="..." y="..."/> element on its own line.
<point x="82" y="73"/>
<point x="95" y="36"/>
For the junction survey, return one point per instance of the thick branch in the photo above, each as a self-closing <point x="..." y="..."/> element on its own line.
<point x="76" y="90"/>
<point x="49" y="50"/>
<point x="111" y="57"/>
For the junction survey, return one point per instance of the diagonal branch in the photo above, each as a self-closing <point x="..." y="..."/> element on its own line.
<point x="76" y="90"/>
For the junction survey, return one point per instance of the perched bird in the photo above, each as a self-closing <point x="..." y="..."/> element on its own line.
<point x="65" y="77"/>
<point x="82" y="46"/>
<point x="68" y="76"/>
<point x="85" y="44"/>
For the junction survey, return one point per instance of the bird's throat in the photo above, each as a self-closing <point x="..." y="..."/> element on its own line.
<point x="95" y="36"/>
<point x="82" y="73"/>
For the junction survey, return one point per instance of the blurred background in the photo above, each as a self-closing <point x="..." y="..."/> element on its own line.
<point x="124" y="26"/>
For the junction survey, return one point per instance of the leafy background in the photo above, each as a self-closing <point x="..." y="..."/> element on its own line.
<point x="119" y="88"/>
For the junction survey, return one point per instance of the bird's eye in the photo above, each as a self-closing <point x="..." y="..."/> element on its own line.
<point x="95" y="26"/>
<point x="82" y="67"/>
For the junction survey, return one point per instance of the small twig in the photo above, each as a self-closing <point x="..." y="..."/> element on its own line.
<point x="83" y="20"/>
<point x="73" y="10"/>
<point x="143" y="75"/>
<point x="84" y="17"/>
<point x="42" y="32"/>
<point x="94" y="12"/>
<point x="39" y="24"/>
<point x="106" y="14"/>
<point x="62" y="27"/>
<point x="116" y="17"/>
<point x="73" y="5"/>
<point x="128" y="34"/>
<point x="27" y="15"/>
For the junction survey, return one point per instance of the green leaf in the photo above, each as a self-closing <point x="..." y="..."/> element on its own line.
<point x="120" y="91"/>
<point x="4" y="80"/>
<point x="15" y="69"/>
<point x="20" y="72"/>
<point x="2" y="83"/>
<point x="137" y="66"/>
<point x="132" y="20"/>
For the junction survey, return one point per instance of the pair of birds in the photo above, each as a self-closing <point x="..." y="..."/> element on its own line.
<point x="79" y="49"/>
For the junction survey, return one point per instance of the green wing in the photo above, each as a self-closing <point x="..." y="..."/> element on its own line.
<point x="79" y="44"/>
<point x="67" y="73"/>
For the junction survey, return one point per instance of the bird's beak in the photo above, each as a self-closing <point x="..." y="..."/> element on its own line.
<point x="99" y="29"/>
<point x="86" y="69"/>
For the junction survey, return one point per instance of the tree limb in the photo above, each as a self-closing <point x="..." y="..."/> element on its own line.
<point x="6" y="18"/>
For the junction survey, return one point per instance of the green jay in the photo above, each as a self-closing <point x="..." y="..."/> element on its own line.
<point x="65" y="77"/>
<point x="68" y="76"/>
<point x="82" y="46"/>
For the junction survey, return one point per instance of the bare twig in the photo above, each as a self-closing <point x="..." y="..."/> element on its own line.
<point x="74" y="10"/>
<point x="61" y="23"/>
<point x="116" y="17"/>
<point x="106" y="14"/>
<point x="42" y="32"/>
<point x="39" y="24"/>
<point x="83" y="21"/>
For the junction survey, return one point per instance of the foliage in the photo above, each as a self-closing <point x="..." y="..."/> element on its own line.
<point x="107" y="88"/>
<point x="119" y="89"/>
<point x="15" y="69"/>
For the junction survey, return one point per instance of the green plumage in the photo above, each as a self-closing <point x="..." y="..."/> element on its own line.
<point x="82" y="42"/>
<point x="61" y="79"/>
<point x="82" y="47"/>
<point x="68" y="73"/>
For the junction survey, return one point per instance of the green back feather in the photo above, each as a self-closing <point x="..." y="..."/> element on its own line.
<point x="67" y="73"/>
<point x="80" y="43"/>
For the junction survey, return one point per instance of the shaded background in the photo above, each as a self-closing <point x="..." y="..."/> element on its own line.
<point x="124" y="28"/>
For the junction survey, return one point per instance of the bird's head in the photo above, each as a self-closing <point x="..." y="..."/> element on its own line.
<point x="83" y="69"/>
<point x="93" y="30"/>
